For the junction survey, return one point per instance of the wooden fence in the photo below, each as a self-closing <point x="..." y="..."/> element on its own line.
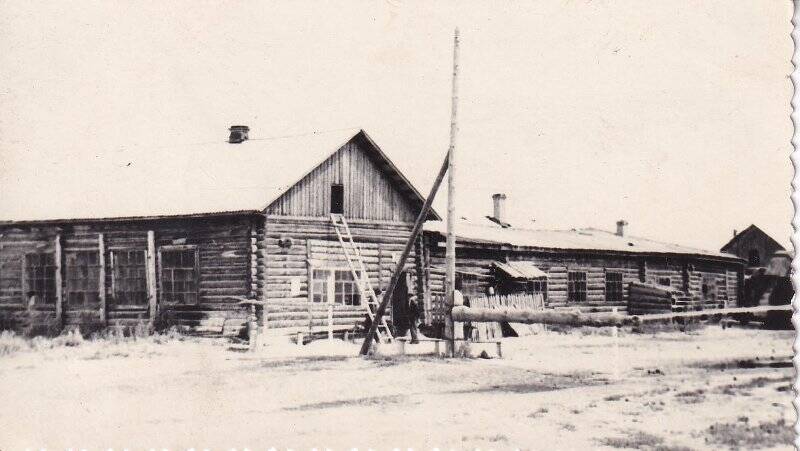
<point x="491" y="330"/>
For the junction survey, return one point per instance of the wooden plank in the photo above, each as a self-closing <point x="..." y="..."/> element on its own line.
<point x="102" y="277"/>
<point x="152" y="292"/>
<point x="59" y="282"/>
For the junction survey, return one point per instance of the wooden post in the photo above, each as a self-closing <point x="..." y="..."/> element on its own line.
<point x="59" y="282"/>
<point x="252" y="328"/>
<point x="330" y="321"/>
<point x="380" y="267"/>
<point x="265" y="287"/>
<point x="152" y="292"/>
<point x="426" y="257"/>
<point x="310" y="289"/>
<point x="615" y="338"/>
<point x="102" y="278"/>
<point x="401" y="347"/>
<point x="450" y="273"/>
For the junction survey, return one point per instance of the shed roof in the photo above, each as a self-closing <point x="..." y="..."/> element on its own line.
<point x="588" y="239"/>
<point x="520" y="270"/>
<point x="207" y="178"/>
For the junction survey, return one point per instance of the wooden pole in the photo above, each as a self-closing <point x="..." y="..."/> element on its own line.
<point x="387" y="295"/>
<point x="101" y="278"/>
<point x="152" y="291"/>
<point x="59" y="282"/>
<point x="330" y="321"/>
<point x="450" y="256"/>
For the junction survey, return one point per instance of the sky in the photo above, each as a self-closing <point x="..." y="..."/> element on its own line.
<point x="671" y="115"/>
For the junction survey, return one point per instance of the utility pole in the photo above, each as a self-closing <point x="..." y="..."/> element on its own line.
<point x="450" y="273"/>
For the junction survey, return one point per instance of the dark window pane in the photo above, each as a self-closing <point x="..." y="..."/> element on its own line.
<point x="179" y="275"/>
<point x="337" y="199"/>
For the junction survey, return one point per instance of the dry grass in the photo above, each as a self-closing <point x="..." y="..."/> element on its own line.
<point x="743" y="435"/>
<point x="11" y="343"/>
<point x="636" y="440"/>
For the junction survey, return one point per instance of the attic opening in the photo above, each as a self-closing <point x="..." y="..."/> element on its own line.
<point x="337" y="198"/>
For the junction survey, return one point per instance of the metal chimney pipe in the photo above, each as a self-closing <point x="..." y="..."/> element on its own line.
<point x="499" y="213"/>
<point x="621" y="227"/>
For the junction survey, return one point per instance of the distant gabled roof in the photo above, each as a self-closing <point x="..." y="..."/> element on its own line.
<point x="748" y="231"/>
<point x="207" y="178"/>
<point x="588" y="239"/>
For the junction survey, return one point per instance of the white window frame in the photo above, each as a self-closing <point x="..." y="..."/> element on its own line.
<point x="330" y="294"/>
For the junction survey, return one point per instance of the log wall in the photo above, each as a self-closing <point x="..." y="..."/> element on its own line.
<point x="686" y="273"/>
<point x="314" y="244"/>
<point x="224" y="255"/>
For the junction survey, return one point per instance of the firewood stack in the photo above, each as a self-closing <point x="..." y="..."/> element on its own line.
<point x="647" y="299"/>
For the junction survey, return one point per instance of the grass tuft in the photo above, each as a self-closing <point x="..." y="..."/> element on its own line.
<point x="743" y="435"/>
<point x="636" y="440"/>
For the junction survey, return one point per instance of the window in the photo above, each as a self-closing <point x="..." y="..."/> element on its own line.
<point x="40" y="278"/>
<point x="666" y="281"/>
<point x="614" y="287"/>
<point x="334" y="286"/>
<point x="337" y="199"/>
<point x="753" y="258"/>
<point x="129" y="277"/>
<point x="538" y="286"/>
<point x="470" y="284"/>
<point x="179" y="275"/>
<point x="82" y="278"/>
<point x="576" y="286"/>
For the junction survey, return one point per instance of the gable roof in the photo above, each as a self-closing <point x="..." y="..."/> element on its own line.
<point x="588" y="239"/>
<point x="208" y="178"/>
<point x="746" y="232"/>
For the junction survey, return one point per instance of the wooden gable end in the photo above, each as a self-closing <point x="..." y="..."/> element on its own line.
<point x="370" y="190"/>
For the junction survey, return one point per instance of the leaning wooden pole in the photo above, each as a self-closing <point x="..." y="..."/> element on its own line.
<point x="450" y="256"/>
<point x="398" y="270"/>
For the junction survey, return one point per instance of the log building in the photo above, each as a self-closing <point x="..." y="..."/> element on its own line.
<point x="587" y="268"/>
<point x="753" y="245"/>
<point x="247" y="218"/>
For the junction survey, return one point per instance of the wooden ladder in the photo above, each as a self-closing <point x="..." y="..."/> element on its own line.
<point x="356" y="263"/>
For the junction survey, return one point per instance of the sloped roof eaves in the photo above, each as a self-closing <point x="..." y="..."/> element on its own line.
<point x="432" y="215"/>
<point x="520" y="270"/>
<point x="219" y="199"/>
<point x="616" y="252"/>
<point x="134" y="218"/>
<point x="280" y="192"/>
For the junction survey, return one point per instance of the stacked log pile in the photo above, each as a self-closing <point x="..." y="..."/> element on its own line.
<point x="648" y="299"/>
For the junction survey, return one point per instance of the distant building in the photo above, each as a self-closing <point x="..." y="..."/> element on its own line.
<point x="754" y="246"/>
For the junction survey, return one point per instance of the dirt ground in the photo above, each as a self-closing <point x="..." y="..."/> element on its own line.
<point x="712" y="388"/>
